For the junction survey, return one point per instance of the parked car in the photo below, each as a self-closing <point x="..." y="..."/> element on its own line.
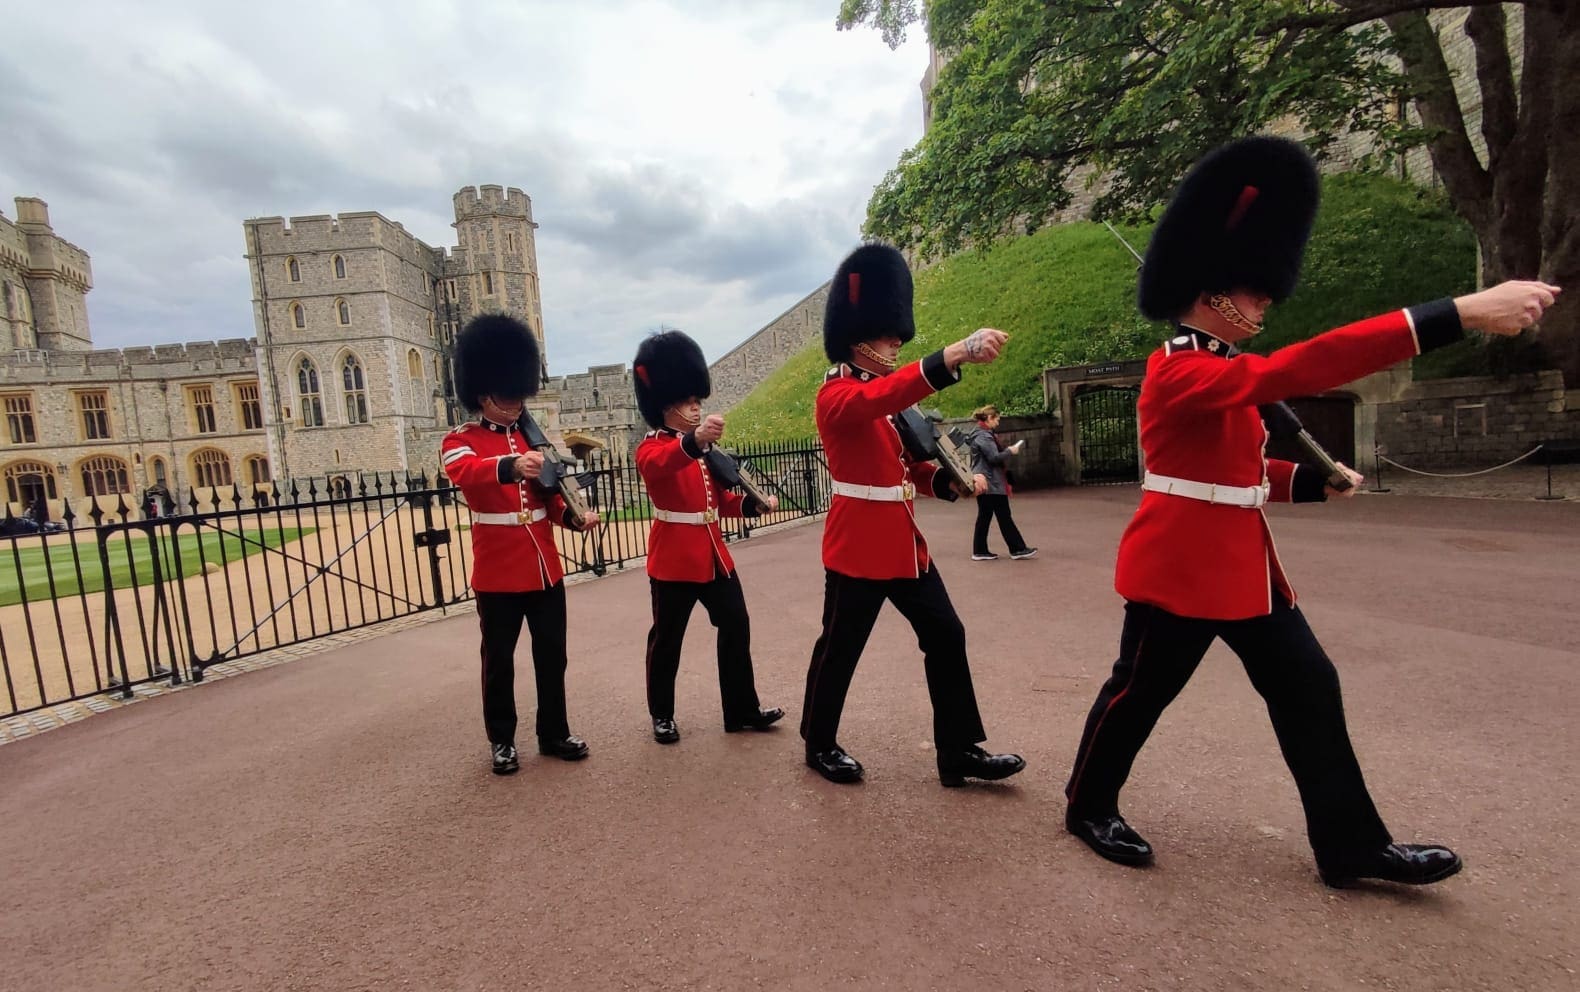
<point x="22" y="526"/>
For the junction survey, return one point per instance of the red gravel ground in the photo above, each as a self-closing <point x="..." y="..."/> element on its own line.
<point x="331" y="823"/>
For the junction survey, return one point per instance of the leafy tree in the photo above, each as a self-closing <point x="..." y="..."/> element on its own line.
<point x="1034" y="92"/>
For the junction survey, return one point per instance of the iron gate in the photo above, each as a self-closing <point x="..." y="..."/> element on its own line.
<point x="1105" y="425"/>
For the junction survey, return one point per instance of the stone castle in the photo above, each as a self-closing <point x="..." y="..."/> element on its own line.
<point x="348" y="373"/>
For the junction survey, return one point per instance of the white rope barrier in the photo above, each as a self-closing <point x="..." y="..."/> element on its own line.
<point x="1461" y="475"/>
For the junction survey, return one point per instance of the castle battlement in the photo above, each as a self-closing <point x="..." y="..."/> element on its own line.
<point x="231" y="356"/>
<point x="333" y="232"/>
<point x="30" y="245"/>
<point x="485" y="201"/>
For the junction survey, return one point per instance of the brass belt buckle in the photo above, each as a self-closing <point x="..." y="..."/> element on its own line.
<point x="908" y="489"/>
<point x="525" y="517"/>
<point x="710" y="515"/>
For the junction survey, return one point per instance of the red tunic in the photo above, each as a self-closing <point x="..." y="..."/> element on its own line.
<point x="867" y="539"/>
<point x="678" y="480"/>
<point x="514" y="558"/>
<point x="1199" y="422"/>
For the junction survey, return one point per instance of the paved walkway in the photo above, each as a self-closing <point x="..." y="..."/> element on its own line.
<point x="330" y="824"/>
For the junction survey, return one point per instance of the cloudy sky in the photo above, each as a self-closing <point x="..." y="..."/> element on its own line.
<point x="696" y="163"/>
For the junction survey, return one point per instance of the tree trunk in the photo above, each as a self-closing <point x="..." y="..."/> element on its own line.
<point x="1560" y="333"/>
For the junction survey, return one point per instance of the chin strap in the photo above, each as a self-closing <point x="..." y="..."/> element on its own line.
<point x="872" y="356"/>
<point x="1228" y="311"/>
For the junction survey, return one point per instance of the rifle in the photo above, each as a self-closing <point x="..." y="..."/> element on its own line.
<point x="555" y="476"/>
<point x="726" y="468"/>
<point x="1278" y="417"/>
<point x="924" y="442"/>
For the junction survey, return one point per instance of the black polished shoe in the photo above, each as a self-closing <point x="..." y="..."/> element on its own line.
<point x="835" y="765"/>
<point x="1111" y="837"/>
<point x="505" y="762"/>
<point x="665" y="731"/>
<point x="762" y="721"/>
<point x="567" y="748"/>
<point x="955" y="766"/>
<point x="1407" y="864"/>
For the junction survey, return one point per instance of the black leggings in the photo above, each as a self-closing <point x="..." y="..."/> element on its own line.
<point x="990" y="505"/>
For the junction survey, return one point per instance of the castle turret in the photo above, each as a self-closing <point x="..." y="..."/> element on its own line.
<point x="496" y="268"/>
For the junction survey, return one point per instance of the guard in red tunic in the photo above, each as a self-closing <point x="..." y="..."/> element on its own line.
<point x="687" y="561"/>
<point x="516" y="573"/>
<point x="872" y="548"/>
<point x="1197" y="561"/>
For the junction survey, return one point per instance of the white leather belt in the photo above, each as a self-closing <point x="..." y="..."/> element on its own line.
<point x="521" y="519"/>
<point x="1249" y="497"/>
<point x="878" y="494"/>
<point x="698" y="517"/>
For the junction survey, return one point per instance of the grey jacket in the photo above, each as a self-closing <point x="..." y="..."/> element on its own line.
<point x="987" y="460"/>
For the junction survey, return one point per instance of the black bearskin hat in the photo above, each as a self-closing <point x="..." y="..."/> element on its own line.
<point x="495" y="355"/>
<point x="870" y="298"/>
<point x="668" y="368"/>
<point x="1239" y="220"/>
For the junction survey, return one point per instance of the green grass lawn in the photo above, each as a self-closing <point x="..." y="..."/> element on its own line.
<point x="1067" y="296"/>
<point x="126" y="556"/>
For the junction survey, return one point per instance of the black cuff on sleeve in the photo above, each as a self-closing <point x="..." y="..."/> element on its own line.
<point x="568" y="519"/>
<point x="505" y="470"/>
<point x="937" y="373"/>
<point x="750" y="507"/>
<point x="688" y="444"/>
<point x="1307" y="486"/>
<point x="1436" y="324"/>
<point x="941" y="487"/>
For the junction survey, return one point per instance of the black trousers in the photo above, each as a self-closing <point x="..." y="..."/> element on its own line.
<point x="499" y="615"/>
<point x="726" y="605"/>
<point x="1158" y="652"/>
<point x="850" y="608"/>
<point x="990" y="505"/>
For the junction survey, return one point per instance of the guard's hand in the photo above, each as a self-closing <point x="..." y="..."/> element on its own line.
<point x="710" y="430"/>
<point x="772" y="504"/>
<point x="1355" y="483"/>
<point x="528" y="466"/>
<point x="982" y="347"/>
<point x="1507" y="308"/>
<point x="590" y="521"/>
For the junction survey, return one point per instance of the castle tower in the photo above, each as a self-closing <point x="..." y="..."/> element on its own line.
<point x="495" y="264"/>
<point x="44" y="283"/>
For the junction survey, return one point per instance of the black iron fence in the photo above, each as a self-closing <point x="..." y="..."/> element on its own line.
<point x="124" y="594"/>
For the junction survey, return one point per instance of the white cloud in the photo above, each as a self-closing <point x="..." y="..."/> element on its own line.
<point x="690" y="163"/>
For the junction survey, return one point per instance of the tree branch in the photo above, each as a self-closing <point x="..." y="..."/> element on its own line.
<point x="1450" y="148"/>
<point x="1495" y="73"/>
<point x="1360" y="11"/>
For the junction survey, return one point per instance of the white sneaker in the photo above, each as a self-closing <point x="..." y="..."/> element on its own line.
<point x="1024" y="553"/>
<point x="990" y="556"/>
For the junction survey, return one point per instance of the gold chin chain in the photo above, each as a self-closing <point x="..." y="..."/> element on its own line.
<point x="872" y="356"/>
<point x="1228" y="311"/>
<point x="690" y="421"/>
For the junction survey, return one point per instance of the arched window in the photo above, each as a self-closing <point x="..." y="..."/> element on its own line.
<point x="26" y="482"/>
<point x="356" y="390"/>
<point x="298" y="315"/>
<point x="257" y="470"/>
<point x="210" y="467"/>
<point x="104" y="475"/>
<point x="414" y="364"/>
<point x="312" y="404"/>
<point x="340" y="267"/>
<point x="343" y="312"/>
<point x="292" y="270"/>
<point x="156" y="466"/>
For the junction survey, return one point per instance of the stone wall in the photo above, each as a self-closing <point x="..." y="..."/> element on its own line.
<point x="1475" y="422"/>
<point x="739" y="371"/>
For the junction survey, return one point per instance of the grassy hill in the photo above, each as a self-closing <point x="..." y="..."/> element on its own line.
<point x="1066" y="295"/>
